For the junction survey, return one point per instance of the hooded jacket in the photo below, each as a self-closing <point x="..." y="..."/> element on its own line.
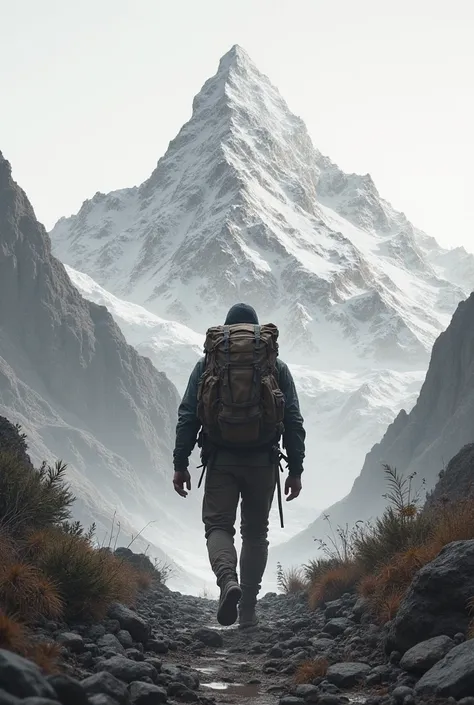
<point x="188" y="426"/>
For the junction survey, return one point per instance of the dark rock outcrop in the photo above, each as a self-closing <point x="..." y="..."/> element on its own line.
<point x="456" y="481"/>
<point x="436" y="603"/>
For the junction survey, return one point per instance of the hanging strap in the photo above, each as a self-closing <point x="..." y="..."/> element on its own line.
<point x="206" y="460"/>
<point x="280" y="503"/>
<point x="204" y="468"/>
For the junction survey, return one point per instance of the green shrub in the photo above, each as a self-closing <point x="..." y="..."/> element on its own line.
<point x="29" y="498"/>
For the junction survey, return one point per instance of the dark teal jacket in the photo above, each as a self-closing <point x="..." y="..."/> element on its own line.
<point x="188" y="426"/>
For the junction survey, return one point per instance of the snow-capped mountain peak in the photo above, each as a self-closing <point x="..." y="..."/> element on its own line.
<point x="243" y="207"/>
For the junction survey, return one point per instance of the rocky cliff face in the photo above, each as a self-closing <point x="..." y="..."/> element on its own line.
<point x="456" y="481"/>
<point x="78" y="389"/>
<point x="421" y="442"/>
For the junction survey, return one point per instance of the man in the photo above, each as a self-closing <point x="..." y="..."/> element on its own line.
<point x="233" y="474"/>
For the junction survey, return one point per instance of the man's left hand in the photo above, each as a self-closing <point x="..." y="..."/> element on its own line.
<point x="292" y="487"/>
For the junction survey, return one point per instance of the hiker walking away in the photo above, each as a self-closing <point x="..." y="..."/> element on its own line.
<point x="239" y="403"/>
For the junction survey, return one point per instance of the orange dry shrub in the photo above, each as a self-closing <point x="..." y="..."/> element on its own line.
<point x="25" y="591"/>
<point x="386" y="605"/>
<point x="386" y="588"/>
<point x="368" y="585"/>
<point x="309" y="670"/>
<point x="333" y="583"/>
<point x="143" y="579"/>
<point x="12" y="634"/>
<point x="45" y="655"/>
<point x="454" y="522"/>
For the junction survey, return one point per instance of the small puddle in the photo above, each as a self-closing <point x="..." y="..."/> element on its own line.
<point x="247" y="691"/>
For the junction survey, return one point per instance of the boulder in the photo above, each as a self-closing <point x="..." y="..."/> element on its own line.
<point x="436" y="602"/>
<point x="68" y="690"/>
<point x="147" y="694"/>
<point x="309" y="693"/>
<point x="127" y="670"/>
<point x="130" y="621"/>
<point x="338" y="625"/>
<point x="70" y="640"/>
<point x="177" y="675"/>
<point x="209" y="637"/>
<point x="104" y="683"/>
<point x="347" y="674"/>
<point x="22" y="678"/>
<point x="334" y="609"/>
<point x="101" y="699"/>
<point x="423" y="656"/>
<point x="6" y="698"/>
<point x="109" y="642"/>
<point x="453" y="676"/>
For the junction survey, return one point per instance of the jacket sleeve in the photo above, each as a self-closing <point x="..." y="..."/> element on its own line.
<point x="188" y="425"/>
<point x="294" y="435"/>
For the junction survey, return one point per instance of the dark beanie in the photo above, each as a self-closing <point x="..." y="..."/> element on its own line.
<point x="241" y="313"/>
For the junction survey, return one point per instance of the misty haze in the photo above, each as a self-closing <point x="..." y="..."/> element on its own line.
<point x="103" y="318"/>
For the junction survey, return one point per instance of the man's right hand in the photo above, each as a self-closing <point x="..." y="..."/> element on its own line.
<point x="180" y="479"/>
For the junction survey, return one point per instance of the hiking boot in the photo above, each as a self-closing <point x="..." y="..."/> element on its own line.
<point x="229" y="599"/>
<point x="247" y="618"/>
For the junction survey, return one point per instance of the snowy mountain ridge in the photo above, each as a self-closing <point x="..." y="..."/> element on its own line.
<point x="242" y="206"/>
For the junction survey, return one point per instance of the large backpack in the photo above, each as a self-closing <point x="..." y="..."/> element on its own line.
<point x="239" y="402"/>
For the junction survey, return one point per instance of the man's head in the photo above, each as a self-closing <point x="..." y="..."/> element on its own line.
<point x="241" y="313"/>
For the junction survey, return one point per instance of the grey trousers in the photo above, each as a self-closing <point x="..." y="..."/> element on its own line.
<point x="225" y="486"/>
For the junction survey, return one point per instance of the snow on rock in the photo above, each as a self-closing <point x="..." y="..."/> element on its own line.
<point x="172" y="347"/>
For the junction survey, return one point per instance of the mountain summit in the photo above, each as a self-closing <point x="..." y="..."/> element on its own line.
<point x="242" y="206"/>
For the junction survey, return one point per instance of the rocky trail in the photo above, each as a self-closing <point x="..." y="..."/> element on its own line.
<point x="170" y="649"/>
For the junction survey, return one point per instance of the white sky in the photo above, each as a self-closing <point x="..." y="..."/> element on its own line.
<point x="92" y="91"/>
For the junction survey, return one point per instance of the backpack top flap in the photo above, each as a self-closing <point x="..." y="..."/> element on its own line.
<point x="238" y="393"/>
<point x="242" y="343"/>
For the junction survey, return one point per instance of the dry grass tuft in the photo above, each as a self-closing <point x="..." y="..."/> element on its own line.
<point x="143" y="579"/>
<point x="368" y="585"/>
<point x="386" y="588"/>
<point x="12" y="634"/>
<point x="386" y="605"/>
<point x="26" y="592"/>
<point x="308" y="671"/>
<point x="291" y="581"/>
<point x="334" y="583"/>
<point x="46" y="655"/>
<point x="454" y="522"/>
<point x="88" y="580"/>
